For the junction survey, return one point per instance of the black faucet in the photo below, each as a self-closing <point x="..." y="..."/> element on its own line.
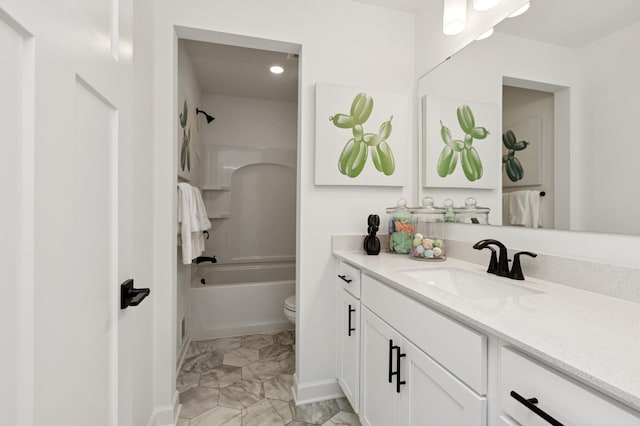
<point x="501" y="267"/>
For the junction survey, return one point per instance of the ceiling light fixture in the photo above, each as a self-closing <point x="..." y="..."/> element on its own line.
<point x="522" y="9"/>
<point x="486" y="34"/>
<point x="482" y="5"/>
<point x="454" y="17"/>
<point x="276" y="69"/>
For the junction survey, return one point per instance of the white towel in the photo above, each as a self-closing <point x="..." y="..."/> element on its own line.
<point x="522" y="208"/>
<point x="192" y="216"/>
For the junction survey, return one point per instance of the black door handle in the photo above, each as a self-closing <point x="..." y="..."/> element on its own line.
<point x="530" y="403"/>
<point x="130" y="296"/>
<point x="351" y="328"/>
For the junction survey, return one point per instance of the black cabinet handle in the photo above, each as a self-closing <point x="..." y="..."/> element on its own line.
<point x="351" y="309"/>
<point x="396" y="373"/>
<point x="351" y="328"/>
<point x="531" y="405"/>
<point x="398" y="376"/>
<point x="391" y="348"/>
<point x="344" y="278"/>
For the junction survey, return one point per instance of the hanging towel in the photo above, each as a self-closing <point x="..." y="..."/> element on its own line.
<point x="192" y="216"/>
<point x="522" y="208"/>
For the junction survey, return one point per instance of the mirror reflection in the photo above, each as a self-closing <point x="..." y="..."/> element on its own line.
<point x="561" y="83"/>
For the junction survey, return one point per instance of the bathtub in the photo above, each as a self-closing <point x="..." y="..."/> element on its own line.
<point x="240" y="298"/>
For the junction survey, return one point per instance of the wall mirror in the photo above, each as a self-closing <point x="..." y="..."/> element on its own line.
<point x="566" y="74"/>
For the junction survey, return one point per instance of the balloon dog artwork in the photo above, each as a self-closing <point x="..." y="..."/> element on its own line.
<point x="361" y="137"/>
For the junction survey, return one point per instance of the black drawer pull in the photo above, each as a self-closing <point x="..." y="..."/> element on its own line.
<point x="531" y="405"/>
<point x="344" y="278"/>
<point x="351" y="328"/>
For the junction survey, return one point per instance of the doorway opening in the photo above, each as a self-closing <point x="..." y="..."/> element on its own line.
<point x="241" y="152"/>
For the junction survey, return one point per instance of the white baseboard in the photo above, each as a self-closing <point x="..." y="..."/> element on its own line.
<point x="320" y="390"/>
<point x="243" y="331"/>
<point x="167" y="415"/>
<point x="176" y="406"/>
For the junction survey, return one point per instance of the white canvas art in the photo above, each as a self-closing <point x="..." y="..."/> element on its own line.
<point x="361" y="137"/>
<point x="462" y="143"/>
<point x="522" y="153"/>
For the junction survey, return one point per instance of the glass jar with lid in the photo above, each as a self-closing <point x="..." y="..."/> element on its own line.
<point x="428" y="238"/>
<point x="400" y="228"/>
<point x="472" y="213"/>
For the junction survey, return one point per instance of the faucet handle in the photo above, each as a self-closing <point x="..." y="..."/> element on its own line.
<point x="516" y="269"/>
<point x="493" y="262"/>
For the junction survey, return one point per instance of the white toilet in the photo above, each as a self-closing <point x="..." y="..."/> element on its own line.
<point x="290" y="308"/>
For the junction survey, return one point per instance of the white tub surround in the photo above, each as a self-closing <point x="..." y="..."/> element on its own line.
<point x="590" y="337"/>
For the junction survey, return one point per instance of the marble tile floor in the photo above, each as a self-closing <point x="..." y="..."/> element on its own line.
<point x="246" y="381"/>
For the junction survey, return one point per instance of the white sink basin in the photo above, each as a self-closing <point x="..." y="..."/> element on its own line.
<point x="469" y="284"/>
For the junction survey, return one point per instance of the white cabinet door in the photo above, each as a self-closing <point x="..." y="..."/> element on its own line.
<point x="380" y="401"/>
<point x="349" y="348"/>
<point x="434" y="397"/>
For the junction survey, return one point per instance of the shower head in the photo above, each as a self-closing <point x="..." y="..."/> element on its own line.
<point x="208" y="117"/>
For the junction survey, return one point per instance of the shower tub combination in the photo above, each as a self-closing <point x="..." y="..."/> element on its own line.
<point x="240" y="298"/>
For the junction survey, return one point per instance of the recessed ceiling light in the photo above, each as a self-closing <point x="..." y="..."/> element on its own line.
<point x="520" y="10"/>
<point x="276" y="69"/>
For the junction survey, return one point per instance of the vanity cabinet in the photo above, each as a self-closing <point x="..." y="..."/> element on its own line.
<point x="348" y="333"/>
<point x="402" y="384"/>
<point x="524" y="381"/>
<point x="411" y="364"/>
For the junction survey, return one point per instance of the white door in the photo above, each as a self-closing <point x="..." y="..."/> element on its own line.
<point x="432" y="396"/>
<point x="380" y="401"/>
<point x="66" y="168"/>
<point x="349" y="347"/>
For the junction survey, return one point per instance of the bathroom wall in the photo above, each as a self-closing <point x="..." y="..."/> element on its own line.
<point x="261" y="204"/>
<point x="519" y="105"/>
<point x="368" y="47"/>
<point x="189" y="86"/>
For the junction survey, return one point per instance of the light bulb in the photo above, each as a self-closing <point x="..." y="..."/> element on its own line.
<point x="454" y="17"/>
<point x="482" y="5"/>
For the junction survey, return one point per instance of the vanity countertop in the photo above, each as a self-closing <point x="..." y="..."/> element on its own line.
<point x="591" y="337"/>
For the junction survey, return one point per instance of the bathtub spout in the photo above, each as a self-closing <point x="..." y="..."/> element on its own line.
<point x="201" y="259"/>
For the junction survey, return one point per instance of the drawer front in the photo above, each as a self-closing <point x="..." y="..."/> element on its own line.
<point x="558" y="396"/>
<point x="349" y="278"/>
<point x="457" y="348"/>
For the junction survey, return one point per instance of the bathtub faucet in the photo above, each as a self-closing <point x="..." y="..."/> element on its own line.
<point x="201" y="259"/>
